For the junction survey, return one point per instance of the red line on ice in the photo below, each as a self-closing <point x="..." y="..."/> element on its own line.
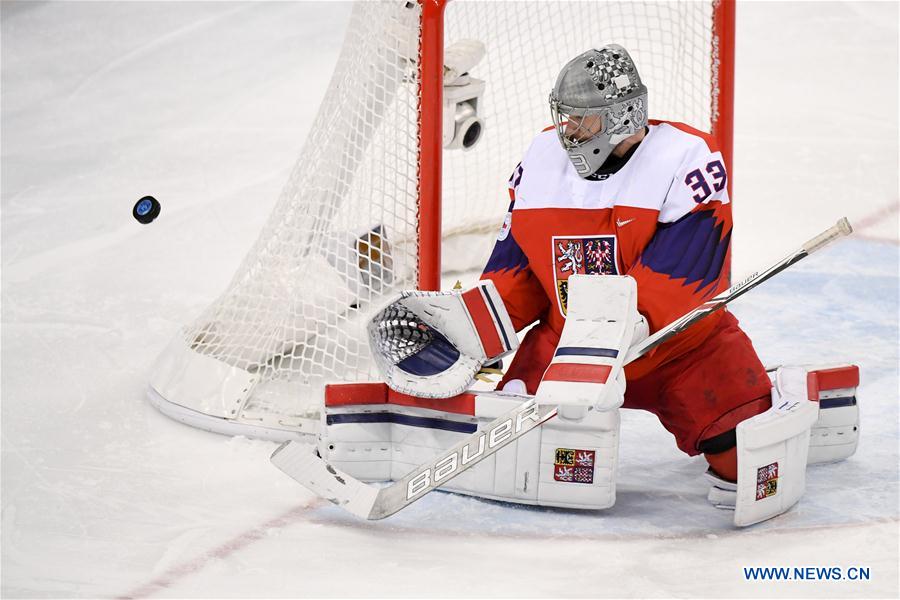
<point x="874" y="219"/>
<point x="239" y="542"/>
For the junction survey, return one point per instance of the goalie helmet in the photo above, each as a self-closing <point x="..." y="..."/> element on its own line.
<point x="598" y="101"/>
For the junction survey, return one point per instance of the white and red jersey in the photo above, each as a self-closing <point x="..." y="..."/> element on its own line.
<point x="663" y="218"/>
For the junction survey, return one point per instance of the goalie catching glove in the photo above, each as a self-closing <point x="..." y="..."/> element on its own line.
<point x="432" y="344"/>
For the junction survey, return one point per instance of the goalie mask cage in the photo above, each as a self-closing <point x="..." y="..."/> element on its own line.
<point x="374" y="196"/>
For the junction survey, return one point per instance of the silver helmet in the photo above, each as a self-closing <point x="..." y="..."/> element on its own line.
<point x="598" y="101"/>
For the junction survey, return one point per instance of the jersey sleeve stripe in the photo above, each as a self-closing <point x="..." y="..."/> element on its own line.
<point x="507" y="256"/>
<point x="693" y="248"/>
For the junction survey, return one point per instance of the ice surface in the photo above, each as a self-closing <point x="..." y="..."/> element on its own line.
<point x="205" y="106"/>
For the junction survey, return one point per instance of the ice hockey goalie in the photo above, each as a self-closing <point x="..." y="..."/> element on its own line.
<point x="617" y="225"/>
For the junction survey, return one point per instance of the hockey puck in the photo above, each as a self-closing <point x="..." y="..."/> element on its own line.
<point x="146" y="209"/>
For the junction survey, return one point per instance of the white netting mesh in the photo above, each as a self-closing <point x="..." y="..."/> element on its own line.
<point x="343" y="235"/>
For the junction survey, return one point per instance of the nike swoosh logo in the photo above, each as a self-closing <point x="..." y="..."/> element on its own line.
<point x="621" y="223"/>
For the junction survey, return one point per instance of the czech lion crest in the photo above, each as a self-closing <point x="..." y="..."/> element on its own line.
<point x="582" y="254"/>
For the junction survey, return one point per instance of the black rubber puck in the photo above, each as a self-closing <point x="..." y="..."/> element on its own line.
<point x="146" y="209"/>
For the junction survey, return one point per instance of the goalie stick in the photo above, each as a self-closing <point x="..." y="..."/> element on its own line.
<point x="302" y="463"/>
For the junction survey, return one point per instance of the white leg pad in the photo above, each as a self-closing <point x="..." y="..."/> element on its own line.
<point x="772" y="451"/>
<point x="564" y="463"/>
<point x="578" y="464"/>
<point x="835" y="434"/>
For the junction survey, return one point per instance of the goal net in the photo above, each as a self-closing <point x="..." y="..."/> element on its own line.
<point x="346" y="232"/>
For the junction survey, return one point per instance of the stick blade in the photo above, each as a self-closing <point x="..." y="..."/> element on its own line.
<point x="301" y="463"/>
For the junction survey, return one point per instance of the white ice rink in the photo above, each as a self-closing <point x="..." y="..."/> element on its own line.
<point x="206" y="106"/>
